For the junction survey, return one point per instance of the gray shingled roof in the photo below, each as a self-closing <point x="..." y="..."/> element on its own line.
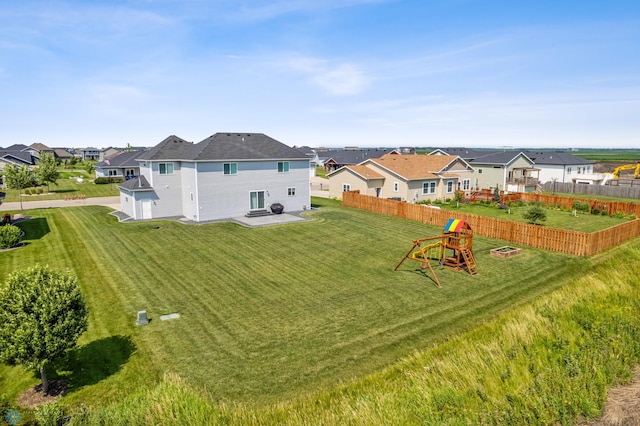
<point x="124" y="159"/>
<point x="499" y="157"/>
<point x="223" y="146"/>
<point x="172" y="148"/>
<point x="139" y="183"/>
<point x="556" y="157"/>
<point x="244" y="146"/>
<point x="355" y="156"/>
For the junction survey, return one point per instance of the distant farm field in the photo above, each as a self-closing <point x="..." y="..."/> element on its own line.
<point x="609" y="154"/>
<point x="266" y="314"/>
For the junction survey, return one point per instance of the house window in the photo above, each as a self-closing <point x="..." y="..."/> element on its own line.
<point x="346" y="187"/>
<point x="257" y="200"/>
<point x="428" y="188"/>
<point x="113" y="172"/>
<point x="291" y="191"/>
<point x="568" y="169"/>
<point x="449" y="186"/>
<point x="479" y="170"/>
<point x="283" y="167"/>
<point x="396" y="186"/>
<point x="165" y="168"/>
<point x="465" y="185"/>
<point x="230" y="168"/>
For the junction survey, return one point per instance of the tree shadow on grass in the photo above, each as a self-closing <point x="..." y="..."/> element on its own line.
<point x="89" y="364"/>
<point x="34" y="229"/>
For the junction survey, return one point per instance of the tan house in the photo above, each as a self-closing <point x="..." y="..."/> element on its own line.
<point x="410" y="178"/>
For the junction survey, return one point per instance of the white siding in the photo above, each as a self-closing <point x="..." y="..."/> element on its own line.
<point x="224" y="196"/>
<point x="168" y="189"/>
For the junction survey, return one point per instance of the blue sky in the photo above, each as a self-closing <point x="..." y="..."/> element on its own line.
<point x="438" y="73"/>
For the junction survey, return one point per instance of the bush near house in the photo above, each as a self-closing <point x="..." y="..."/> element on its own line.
<point x="10" y="236"/>
<point x="106" y="180"/>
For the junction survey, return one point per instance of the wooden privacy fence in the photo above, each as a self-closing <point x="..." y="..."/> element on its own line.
<point x="567" y="202"/>
<point x="560" y="240"/>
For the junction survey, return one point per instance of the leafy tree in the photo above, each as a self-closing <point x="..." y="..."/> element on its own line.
<point x="18" y="178"/>
<point x="42" y="314"/>
<point x="88" y="167"/>
<point x="48" y="169"/>
<point x="535" y="214"/>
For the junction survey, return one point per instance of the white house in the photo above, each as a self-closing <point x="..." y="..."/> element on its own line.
<point x="226" y="175"/>
<point x="561" y="166"/>
<point x="121" y="166"/>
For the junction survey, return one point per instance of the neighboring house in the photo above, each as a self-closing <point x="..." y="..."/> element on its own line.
<point x="506" y="170"/>
<point x="123" y="166"/>
<point x="62" y="154"/>
<point x="226" y="175"/>
<point x="37" y="149"/>
<point x="108" y="152"/>
<point x="313" y="157"/>
<point x="92" y="154"/>
<point x="561" y="166"/>
<point x="18" y="155"/>
<point x="345" y="157"/>
<point x="404" y="177"/>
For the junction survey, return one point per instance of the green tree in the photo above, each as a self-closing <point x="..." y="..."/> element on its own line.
<point x="42" y="314"/>
<point x="18" y="178"/>
<point x="48" y="169"/>
<point x="535" y="215"/>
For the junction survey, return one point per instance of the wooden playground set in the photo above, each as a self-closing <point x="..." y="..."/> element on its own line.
<point x="453" y="249"/>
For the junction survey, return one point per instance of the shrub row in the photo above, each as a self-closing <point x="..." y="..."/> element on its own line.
<point x="106" y="180"/>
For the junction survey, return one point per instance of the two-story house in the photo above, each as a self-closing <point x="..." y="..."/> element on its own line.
<point x="224" y="176"/>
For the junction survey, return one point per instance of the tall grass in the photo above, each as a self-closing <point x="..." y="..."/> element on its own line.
<point x="549" y="362"/>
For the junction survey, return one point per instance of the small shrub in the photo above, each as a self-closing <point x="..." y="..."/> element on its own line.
<point x="535" y="214"/>
<point x="437" y="201"/>
<point x="39" y="191"/>
<point x="105" y="180"/>
<point x="49" y="414"/>
<point x="595" y="211"/>
<point x="447" y="200"/>
<point x="581" y="206"/>
<point x="10" y="236"/>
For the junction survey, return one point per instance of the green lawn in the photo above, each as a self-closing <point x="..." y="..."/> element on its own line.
<point x="68" y="185"/>
<point x="555" y="218"/>
<point x="631" y="155"/>
<point x="267" y="314"/>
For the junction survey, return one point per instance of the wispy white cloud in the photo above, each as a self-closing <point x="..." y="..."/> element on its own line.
<point x="333" y="77"/>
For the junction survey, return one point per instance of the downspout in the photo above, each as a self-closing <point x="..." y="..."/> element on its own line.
<point x="197" y="194"/>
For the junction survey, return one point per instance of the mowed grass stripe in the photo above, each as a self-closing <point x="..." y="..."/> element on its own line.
<point x="278" y="312"/>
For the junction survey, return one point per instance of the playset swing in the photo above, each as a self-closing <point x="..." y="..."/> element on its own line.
<point x="453" y="249"/>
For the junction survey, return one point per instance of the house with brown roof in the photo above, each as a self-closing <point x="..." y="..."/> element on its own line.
<point x="410" y="178"/>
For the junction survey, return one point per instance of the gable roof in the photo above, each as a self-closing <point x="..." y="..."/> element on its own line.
<point x="62" y="153"/>
<point x="123" y="159"/>
<point x="16" y="147"/>
<point x="413" y="167"/>
<point x="40" y="147"/>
